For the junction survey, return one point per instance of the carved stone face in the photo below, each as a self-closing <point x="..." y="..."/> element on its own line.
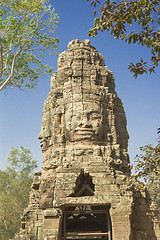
<point x="45" y="136"/>
<point x="84" y="121"/>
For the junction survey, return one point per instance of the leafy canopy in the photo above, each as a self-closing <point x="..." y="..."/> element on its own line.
<point x="15" y="185"/>
<point x="135" y="21"/>
<point x="148" y="168"/>
<point x="26" y="32"/>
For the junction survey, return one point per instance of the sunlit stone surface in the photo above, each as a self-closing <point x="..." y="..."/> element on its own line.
<point x="85" y="189"/>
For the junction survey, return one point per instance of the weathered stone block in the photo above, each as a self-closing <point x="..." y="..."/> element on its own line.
<point x="51" y="223"/>
<point x="51" y="213"/>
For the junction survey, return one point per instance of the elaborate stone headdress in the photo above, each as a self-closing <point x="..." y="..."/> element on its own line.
<point x="82" y="111"/>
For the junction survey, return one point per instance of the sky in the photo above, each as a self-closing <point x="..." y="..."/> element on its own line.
<point x="21" y="110"/>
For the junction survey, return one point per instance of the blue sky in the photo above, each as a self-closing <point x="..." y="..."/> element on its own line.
<point x="21" y="110"/>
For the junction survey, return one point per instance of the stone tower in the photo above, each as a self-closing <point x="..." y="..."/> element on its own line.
<point x="85" y="189"/>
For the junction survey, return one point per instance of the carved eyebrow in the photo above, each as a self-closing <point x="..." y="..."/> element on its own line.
<point x="93" y="112"/>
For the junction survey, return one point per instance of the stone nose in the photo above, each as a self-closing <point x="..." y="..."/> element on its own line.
<point x="84" y="123"/>
<point x="40" y="135"/>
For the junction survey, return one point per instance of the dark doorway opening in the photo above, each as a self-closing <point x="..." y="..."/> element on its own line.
<point x="86" y="222"/>
<point x="84" y="186"/>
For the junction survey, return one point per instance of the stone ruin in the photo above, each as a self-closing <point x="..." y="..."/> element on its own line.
<point x="85" y="189"/>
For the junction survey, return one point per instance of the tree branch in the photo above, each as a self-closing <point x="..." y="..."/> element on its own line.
<point x="1" y="54"/>
<point x="4" y="83"/>
<point x="9" y="50"/>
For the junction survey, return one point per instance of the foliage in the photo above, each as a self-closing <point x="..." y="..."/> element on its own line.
<point x="121" y="17"/>
<point x="148" y="168"/>
<point x="148" y="165"/>
<point x="15" y="184"/>
<point x="26" y="32"/>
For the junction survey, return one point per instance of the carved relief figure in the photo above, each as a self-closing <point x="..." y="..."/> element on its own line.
<point x="83" y="107"/>
<point x="45" y="133"/>
<point x="84" y="121"/>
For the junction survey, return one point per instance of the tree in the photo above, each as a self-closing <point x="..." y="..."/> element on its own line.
<point x="148" y="168"/>
<point x="26" y="33"/>
<point x="15" y="185"/>
<point x="135" y="21"/>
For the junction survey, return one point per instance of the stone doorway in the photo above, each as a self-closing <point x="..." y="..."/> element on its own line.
<point x="86" y="222"/>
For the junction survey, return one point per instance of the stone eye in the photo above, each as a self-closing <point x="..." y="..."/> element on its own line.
<point x="78" y="117"/>
<point x="94" y="117"/>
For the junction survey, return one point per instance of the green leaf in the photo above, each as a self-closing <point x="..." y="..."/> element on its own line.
<point x="119" y="18"/>
<point x="15" y="184"/>
<point x="27" y="26"/>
